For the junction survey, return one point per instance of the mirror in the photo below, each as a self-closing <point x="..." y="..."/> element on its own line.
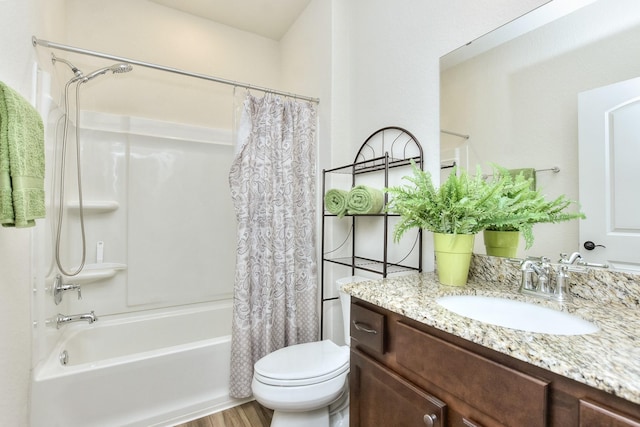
<point x="514" y="93"/>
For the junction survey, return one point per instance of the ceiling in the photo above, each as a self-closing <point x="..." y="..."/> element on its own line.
<point x="268" y="18"/>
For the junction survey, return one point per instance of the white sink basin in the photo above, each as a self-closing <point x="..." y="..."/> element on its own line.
<point x="517" y="315"/>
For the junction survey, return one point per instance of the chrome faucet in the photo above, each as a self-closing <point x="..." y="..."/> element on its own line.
<point x="535" y="274"/>
<point x="62" y="319"/>
<point x="59" y="287"/>
<point x="576" y="258"/>
<point x="538" y="279"/>
<point x="526" y="281"/>
<point x="542" y="279"/>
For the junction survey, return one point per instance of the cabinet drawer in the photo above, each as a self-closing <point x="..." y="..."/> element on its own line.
<point x="511" y="397"/>
<point x="593" y="414"/>
<point x="367" y="328"/>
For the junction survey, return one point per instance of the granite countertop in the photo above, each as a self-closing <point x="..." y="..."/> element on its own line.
<point x="608" y="360"/>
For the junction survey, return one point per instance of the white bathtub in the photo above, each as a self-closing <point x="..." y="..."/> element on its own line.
<point x="155" y="369"/>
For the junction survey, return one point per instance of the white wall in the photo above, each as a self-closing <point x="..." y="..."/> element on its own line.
<point x="149" y="32"/>
<point x="306" y="60"/>
<point x="393" y="70"/>
<point x="519" y="102"/>
<point x="19" y="20"/>
<point x="384" y="70"/>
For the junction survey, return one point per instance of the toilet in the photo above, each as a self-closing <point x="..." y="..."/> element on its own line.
<point x="307" y="384"/>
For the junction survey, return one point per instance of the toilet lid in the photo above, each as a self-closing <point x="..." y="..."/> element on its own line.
<point x="303" y="364"/>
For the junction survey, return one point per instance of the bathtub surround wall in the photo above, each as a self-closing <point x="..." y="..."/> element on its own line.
<point x="156" y="201"/>
<point x="273" y="187"/>
<point x="159" y="275"/>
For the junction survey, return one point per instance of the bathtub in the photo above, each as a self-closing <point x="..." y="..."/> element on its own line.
<point x="154" y="369"/>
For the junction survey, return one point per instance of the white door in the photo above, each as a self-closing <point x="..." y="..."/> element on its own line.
<point x="609" y="155"/>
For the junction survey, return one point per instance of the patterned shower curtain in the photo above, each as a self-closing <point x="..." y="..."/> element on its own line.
<point x="273" y="187"/>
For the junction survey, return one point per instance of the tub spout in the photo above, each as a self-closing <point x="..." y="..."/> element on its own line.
<point x="62" y="319"/>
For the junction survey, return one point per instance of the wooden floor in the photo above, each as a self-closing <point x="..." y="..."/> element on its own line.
<point x="251" y="414"/>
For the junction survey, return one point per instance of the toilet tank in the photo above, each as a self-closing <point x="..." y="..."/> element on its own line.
<point x="345" y="302"/>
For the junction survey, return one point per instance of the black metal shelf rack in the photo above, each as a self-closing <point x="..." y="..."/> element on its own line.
<point x="384" y="150"/>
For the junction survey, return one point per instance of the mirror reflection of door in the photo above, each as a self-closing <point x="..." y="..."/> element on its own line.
<point x="609" y="154"/>
<point x="517" y="100"/>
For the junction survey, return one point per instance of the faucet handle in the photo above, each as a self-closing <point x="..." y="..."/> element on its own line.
<point x="59" y="287"/>
<point x="570" y="259"/>
<point x="543" y="284"/>
<point x="537" y="259"/>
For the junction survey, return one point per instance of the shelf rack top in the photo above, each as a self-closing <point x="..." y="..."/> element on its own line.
<point x="398" y="143"/>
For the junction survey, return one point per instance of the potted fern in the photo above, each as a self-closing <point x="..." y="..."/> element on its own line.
<point x="527" y="207"/>
<point x="455" y="212"/>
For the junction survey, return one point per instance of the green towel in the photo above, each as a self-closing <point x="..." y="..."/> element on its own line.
<point x="21" y="161"/>
<point x="336" y="202"/>
<point x="365" y="200"/>
<point x="527" y="173"/>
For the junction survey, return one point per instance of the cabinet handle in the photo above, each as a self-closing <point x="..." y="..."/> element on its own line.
<point x="364" y="328"/>
<point x="430" y="420"/>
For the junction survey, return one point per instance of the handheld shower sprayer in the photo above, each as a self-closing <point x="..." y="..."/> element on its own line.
<point x="118" y="68"/>
<point x="115" y="69"/>
<point x="79" y="78"/>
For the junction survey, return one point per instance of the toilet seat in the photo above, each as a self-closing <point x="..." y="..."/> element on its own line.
<point x="303" y="364"/>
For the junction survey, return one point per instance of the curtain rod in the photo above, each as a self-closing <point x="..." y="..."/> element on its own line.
<point x="554" y="169"/>
<point x="46" y="43"/>
<point x="448" y="132"/>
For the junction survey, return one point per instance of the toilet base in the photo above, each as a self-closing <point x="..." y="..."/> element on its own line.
<point x="339" y="410"/>
<point x="317" y="418"/>
<point x="340" y="419"/>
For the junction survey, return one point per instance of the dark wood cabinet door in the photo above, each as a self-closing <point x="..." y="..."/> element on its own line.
<point x="380" y="397"/>
<point x="511" y="397"/>
<point x="595" y="415"/>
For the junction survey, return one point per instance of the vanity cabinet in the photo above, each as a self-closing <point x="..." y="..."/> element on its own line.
<point x="405" y="373"/>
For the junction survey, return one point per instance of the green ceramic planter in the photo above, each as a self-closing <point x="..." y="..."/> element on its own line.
<point x="501" y="243"/>
<point x="453" y="257"/>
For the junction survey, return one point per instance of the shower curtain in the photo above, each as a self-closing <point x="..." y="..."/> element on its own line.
<point x="273" y="187"/>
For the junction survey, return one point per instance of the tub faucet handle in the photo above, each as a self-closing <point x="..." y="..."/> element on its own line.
<point x="59" y="287"/>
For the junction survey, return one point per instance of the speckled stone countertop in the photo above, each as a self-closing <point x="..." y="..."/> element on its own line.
<point x="608" y="360"/>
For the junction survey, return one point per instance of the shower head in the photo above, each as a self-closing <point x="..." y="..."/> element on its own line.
<point x="75" y="69"/>
<point x="115" y="69"/>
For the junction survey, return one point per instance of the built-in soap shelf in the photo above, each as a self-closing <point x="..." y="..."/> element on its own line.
<point x="95" y="272"/>
<point x="94" y="206"/>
